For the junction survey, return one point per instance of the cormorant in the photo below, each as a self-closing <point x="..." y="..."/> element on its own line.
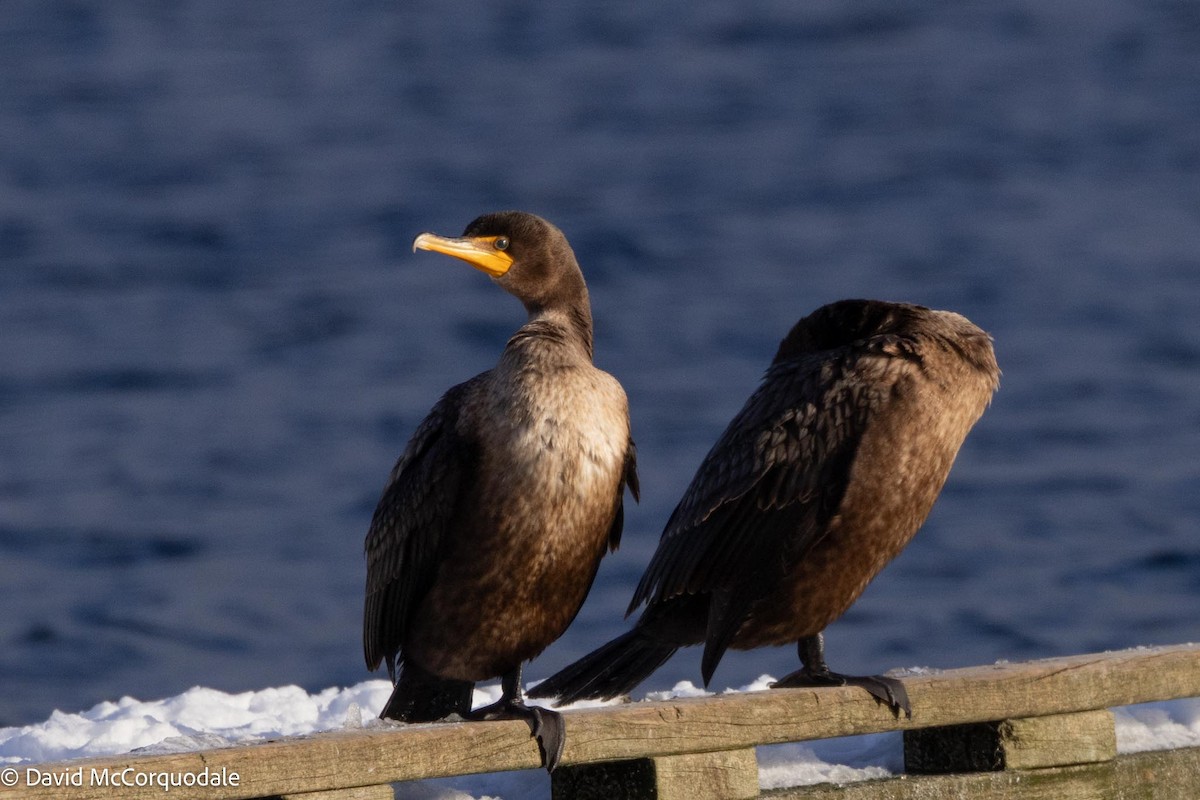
<point x="493" y="522"/>
<point x="819" y="481"/>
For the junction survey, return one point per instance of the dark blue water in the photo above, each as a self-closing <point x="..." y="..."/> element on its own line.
<point x="216" y="340"/>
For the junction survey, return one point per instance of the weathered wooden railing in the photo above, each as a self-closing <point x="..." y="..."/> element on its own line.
<point x="1033" y="730"/>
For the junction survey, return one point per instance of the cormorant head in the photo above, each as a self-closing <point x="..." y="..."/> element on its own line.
<point x="525" y="254"/>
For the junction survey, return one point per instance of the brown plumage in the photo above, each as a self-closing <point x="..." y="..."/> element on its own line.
<point x="494" y="520"/>
<point x="819" y="481"/>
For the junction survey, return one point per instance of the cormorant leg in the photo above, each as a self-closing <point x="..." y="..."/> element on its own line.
<point x="815" y="672"/>
<point x="544" y="725"/>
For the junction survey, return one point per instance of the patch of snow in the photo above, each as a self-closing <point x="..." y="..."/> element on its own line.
<point x="1158" y="726"/>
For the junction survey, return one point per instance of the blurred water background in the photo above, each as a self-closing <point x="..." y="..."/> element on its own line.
<point x="215" y="340"/>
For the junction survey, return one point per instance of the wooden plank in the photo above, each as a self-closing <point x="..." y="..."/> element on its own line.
<point x="722" y="775"/>
<point x="1053" y="741"/>
<point x="346" y="759"/>
<point x="1059" y="740"/>
<point x="1159" y="775"/>
<point x="975" y="694"/>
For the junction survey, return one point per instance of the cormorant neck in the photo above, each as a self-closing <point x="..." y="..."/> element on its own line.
<point x="563" y="303"/>
<point x="573" y="319"/>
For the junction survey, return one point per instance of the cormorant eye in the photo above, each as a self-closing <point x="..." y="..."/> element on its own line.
<point x="501" y="243"/>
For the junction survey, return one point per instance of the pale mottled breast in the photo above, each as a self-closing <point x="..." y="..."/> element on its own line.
<point x="563" y="428"/>
<point x="553" y="447"/>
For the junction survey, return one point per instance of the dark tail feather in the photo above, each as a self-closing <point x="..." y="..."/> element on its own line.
<point x="421" y="697"/>
<point x="607" y="672"/>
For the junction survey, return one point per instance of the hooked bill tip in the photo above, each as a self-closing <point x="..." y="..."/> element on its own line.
<point x="419" y="242"/>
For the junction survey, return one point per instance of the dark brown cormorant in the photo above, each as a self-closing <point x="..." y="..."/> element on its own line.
<point x="818" y="482"/>
<point x="493" y="522"/>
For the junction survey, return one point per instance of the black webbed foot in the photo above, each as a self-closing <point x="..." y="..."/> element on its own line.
<point x="886" y="690"/>
<point x="544" y="725"/>
<point x="815" y="672"/>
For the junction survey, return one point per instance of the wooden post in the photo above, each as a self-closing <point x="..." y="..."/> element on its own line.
<point x="724" y="775"/>
<point x="1059" y="740"/>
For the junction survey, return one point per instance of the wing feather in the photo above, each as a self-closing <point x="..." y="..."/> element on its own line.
<point x="408" y="528"/>
<point x="767" y="489"/>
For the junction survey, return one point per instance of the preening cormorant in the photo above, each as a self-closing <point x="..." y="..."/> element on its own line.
<point x="819" y="481"/>
<point x="494" y="520"/>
